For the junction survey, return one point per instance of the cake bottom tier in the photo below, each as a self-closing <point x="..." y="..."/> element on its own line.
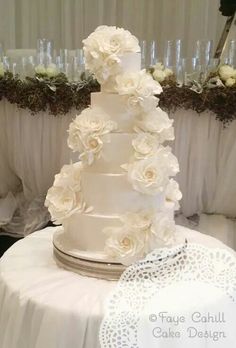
<point x="84" y="232"/>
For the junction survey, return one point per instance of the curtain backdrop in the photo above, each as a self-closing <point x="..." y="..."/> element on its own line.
<point x="67" y="22"/>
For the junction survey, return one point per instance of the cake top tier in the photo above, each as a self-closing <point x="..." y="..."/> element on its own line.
<point x="110" y="51"/>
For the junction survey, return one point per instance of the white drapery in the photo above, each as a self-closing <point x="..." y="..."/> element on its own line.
<point x="33" y="149"/>
<point x="206" y="151"/>
<point x="68" y="22"/>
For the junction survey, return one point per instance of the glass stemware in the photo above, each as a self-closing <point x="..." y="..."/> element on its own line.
<point x="173" y="53"/>
<point x="203" y="51"/>
<point x="191" y="70"/>
<point x="231" y="54"/>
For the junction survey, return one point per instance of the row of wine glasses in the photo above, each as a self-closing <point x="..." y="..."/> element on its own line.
<point x="46" y="59"/>
<point x="173" y="52"/>
<point x="72" y="63"/>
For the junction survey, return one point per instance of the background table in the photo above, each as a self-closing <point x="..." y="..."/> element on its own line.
<point x="43" y="306"/>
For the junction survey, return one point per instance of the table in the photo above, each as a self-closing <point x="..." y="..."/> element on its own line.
<point x="43" y="306"/>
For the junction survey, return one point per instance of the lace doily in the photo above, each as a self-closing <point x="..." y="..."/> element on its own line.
<point x="161" y="268"/>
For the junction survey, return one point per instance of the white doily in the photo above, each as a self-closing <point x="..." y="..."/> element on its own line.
<point x="161" y="268"/>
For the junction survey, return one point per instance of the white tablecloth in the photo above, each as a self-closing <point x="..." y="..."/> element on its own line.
<point x="33" y="149"/>
<point x="43" y="306"/>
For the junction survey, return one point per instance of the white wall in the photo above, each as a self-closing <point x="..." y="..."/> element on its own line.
<point x="69" y="21"/>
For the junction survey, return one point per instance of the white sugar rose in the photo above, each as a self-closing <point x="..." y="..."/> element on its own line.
<point x="104" y="48"/>
<point x="140" y="221"/>
<point x="145" y="145"/>
<point x="139" y="83"/>
<point x="138" y="105"/>
<point x="52" y="70"/>
<point x="124" y="245"/>
<point x="140" y="90"/>
<point x="2" y="71"/>
<point x="230" y="82"/>
<point x="92" y="146"/>
<point x="225" y="72"/>
<point x="150" y="176"/>
<point x="163" y="231"/>
<point x="88" y="131"/>
<point x="69" y="176"/>
<point x="173" y="193"/>
<point x="93" y="121"/>
<point x="63" y="202"/>
<point x="157" y="123"/>
<point x="40" y="69"/>
<point x="64" y="198"/>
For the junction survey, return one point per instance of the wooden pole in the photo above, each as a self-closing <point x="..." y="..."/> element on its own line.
<point x="224" y="36"/>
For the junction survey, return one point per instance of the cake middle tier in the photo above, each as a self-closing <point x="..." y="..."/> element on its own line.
<point x="116" y="151"/>
<point x="116" y="107"/>
<point x="112" y="194"/>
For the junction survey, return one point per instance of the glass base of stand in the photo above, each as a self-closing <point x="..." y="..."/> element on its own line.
<point x="85" y="267"/>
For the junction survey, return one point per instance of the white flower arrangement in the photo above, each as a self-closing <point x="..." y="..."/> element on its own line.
<point x="50" y="71"/>
<point x="228" y="75"/>
<point x="151" y="175"/>
<point x="173" y="193"/>
<point x="88" y="132"/>
<point x="139" y="90"/>
<point x="160" y="73"/>
<point x="139" y="234"/>
<point x="157" y="123"/>
<point x="2" y="70"/>
<point x="104" y="48"/>
<point x="65" y="198"/>
<point x="145" y="145"/>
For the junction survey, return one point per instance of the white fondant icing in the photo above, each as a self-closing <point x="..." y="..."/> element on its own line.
<point x="114" y="105"/>
<point x="84" y="231"/>
<point x="113" y="154"/>
<point x="112" y="194"/>
<point x="129" y="62"/>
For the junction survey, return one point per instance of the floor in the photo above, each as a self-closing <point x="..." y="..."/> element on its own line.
<point x="6" y="242"/>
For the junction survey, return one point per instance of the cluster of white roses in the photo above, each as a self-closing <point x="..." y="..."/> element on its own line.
<point x="148" y="171"/>
<point x="150" y="174"/>
<point x="50" y="71"/>
<point x="153" y="164"/>
<point x="139" y="234"/>
<point x="103" y="50"/>
<point x="65" y="198"/>
<point x="160" y="73"/>
<point x="88" y="132"/>
<point x="227" y="75"/>
<point x="139" y="91"/>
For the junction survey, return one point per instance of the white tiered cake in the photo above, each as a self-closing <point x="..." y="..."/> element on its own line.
<point x="117" y="203"/>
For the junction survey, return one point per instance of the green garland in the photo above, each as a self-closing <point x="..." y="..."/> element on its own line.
<point x="58" y="96"/>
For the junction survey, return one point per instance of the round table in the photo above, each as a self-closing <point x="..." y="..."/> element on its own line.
<point x="43" y="306"/>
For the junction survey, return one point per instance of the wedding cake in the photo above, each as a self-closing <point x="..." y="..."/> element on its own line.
<point x="117" y="202"/>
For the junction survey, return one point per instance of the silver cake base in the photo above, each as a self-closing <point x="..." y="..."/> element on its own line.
<point x="71" y="261"/>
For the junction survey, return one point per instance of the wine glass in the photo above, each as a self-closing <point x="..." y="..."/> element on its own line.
<point x="191" y="70"/>
<point x="231" y="54"/>
<point x="203" y="51"/>
<point x="143" y="46"/>
<point x="45" y="51"/>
